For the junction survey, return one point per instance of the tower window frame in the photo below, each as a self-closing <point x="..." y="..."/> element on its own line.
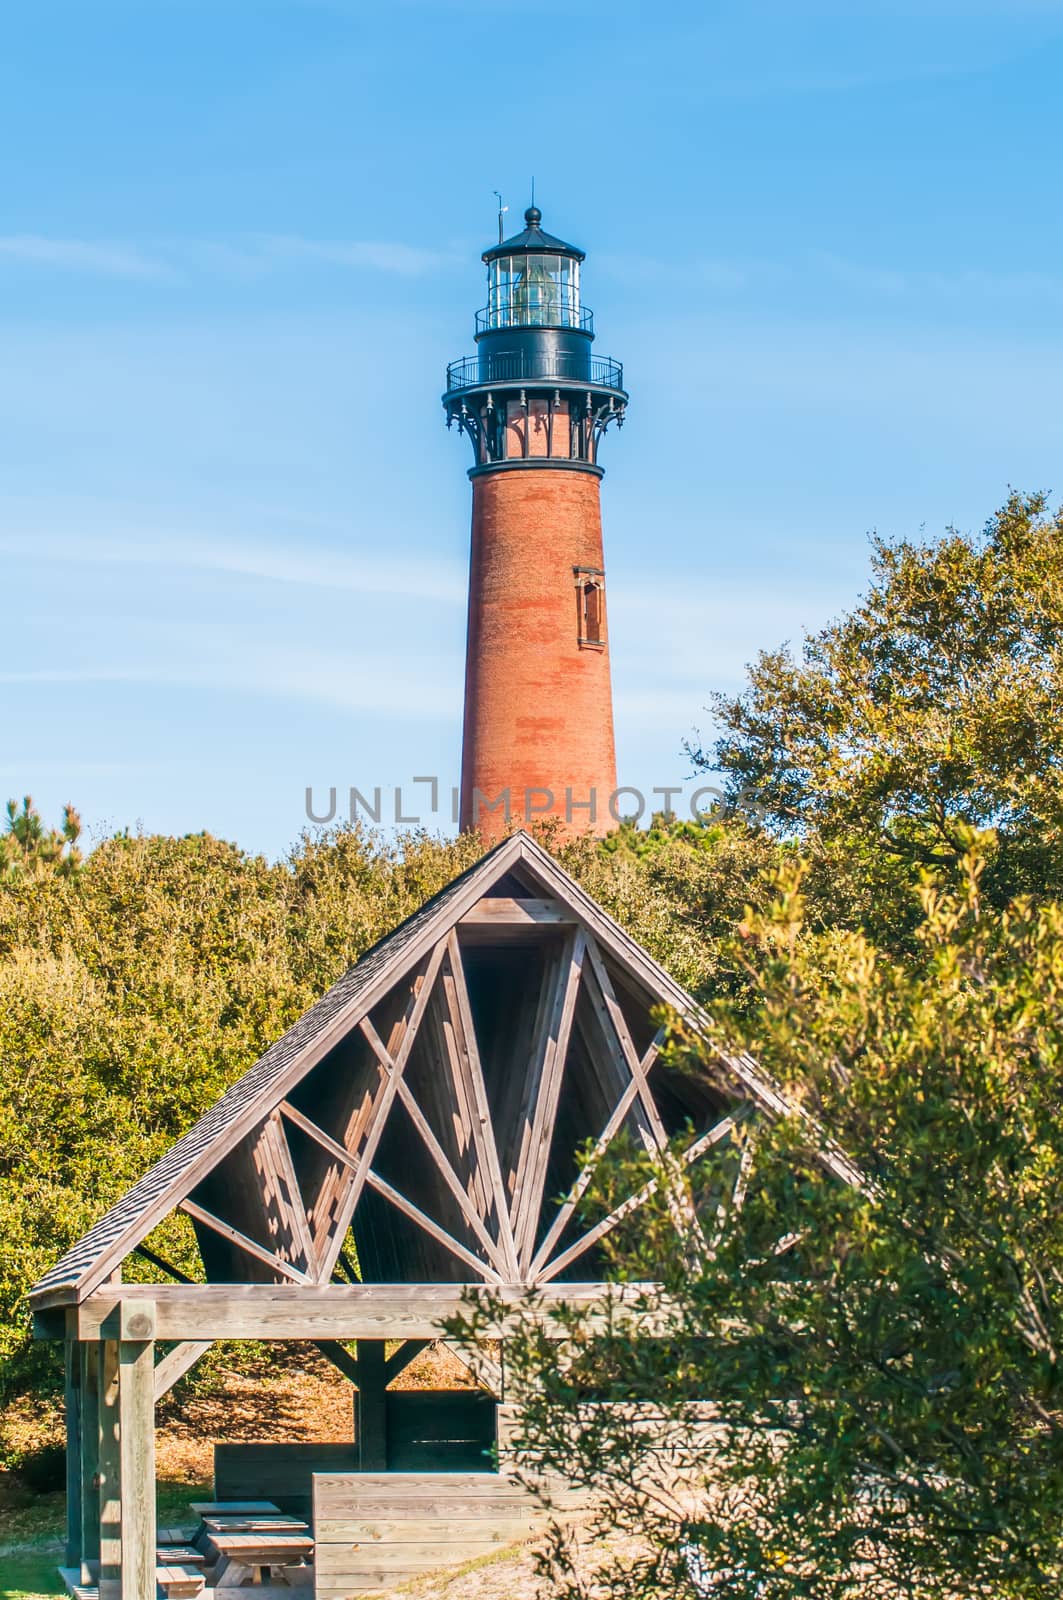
<point x="590" y="607"/>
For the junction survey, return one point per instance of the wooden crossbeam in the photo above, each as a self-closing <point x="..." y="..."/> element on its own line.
<point x="319" y="1311"/>
<point x="411" y="1023"/>
<point x="431" y="1227"/>
<point x="607" y="1224"/>
<point x="549" y="1051"/>
<point x="513" y="912"/>
<point x="250" y="1246"/>
<point x="181" y="1359"/>
<point x="579" y="1188"/>
<point x="459" y="1007"/>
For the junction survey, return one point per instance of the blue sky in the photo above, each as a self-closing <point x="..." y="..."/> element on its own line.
<point x="239" y="242"/>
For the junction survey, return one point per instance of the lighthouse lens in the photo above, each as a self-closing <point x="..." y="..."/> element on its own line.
<point x="533" y="291"/>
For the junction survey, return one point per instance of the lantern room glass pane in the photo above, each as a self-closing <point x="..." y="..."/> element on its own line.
<point x="533" y="291"/>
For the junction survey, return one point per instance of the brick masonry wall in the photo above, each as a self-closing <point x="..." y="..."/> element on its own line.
<point x="538" y="706"/>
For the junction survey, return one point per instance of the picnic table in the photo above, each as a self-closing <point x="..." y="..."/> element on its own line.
<point x="255" y="1554"/>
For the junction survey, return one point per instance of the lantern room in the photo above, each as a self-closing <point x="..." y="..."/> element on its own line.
<point x="533" y="282"/>
<point x="533" y="391"/>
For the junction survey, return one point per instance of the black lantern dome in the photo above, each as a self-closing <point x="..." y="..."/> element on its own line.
<point x="533" y="336"/>
<point x="533" y="282"/>
<point x="534" y="238"/>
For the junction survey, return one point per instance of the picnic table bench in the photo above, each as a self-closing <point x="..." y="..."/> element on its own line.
<point x="180" y="1581"/>
<point x="179" y="1555"/>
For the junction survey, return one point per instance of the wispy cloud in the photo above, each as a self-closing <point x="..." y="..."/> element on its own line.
<point x="205" y="660"/>
<point x="407" y="261"/>
<point x="357" y="572"/>
<point x="751" y="275"/>
<point x="108" y="258"/>
<point x="895" y="282"/>
<point x="244" y="256"/>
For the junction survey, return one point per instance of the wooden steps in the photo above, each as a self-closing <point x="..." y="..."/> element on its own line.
<point x="73" y="1585"/>
<point x="380" y="1530"/>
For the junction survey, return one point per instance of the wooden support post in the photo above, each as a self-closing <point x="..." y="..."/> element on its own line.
<point x="136" y="1434"/>
<point x="89" y="1487"/>
<point x="72" y="1399"/>
<point x="372" y="1440"/>
<point x="109" y="1475"/>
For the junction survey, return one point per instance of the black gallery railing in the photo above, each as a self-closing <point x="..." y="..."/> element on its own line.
<point x="517" y="366"/>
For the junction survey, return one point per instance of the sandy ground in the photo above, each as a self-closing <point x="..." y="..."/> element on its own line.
<point x="295" y="1395"/>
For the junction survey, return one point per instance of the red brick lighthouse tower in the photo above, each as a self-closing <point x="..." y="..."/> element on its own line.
<point x="534" y="401"/>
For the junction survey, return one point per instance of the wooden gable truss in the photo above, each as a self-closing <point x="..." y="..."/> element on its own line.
<point x="427" y="1129"/>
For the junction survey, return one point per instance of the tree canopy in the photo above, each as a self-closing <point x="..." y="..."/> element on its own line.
<point x="934" y="706"/>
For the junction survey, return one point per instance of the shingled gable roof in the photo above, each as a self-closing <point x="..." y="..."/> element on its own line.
<point x="265" y="1085"/>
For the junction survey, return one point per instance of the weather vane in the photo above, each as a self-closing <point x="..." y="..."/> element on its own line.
<point x="501" y="213"/>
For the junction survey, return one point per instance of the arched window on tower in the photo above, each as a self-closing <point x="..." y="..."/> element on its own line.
<point x="590" y="607"/>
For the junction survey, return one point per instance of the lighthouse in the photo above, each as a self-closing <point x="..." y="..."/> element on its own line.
<point x="534" y="402"/>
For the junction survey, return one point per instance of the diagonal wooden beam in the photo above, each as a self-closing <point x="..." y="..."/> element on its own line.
<point x="163" y="1265"/>
<point x="384" y="1188"/>
<point x="582" y="1183"/>
<point x="241" y="1240"/>
<point x="398" y="1057"/>
<point x="607" y="1224"/>
<point x="650" y="1126"/>
<point x="449" y="1176"/>
<point x="173" y="1366"/>
<point x="401" y="1358"/>
<point x="296" y="1209"/>
<point x="431" y="1227"/>
<point x="459" y="1006"/>
<point x="488" y="1373"/>
<point x="325" y="1140"/>
<point x="738" y="1193"/>
<point x="340" y="1358"/>
<point x="343" y="1261"/>
<point x="438" y="1154"/>
<point x="458" y="1095"/>
<point x="519" y="1091"/>
<point x="549" y="1052"/>
<point x="603" y="994"/>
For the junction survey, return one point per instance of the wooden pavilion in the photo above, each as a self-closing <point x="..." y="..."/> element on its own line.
<point x="406" y="1139"/>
